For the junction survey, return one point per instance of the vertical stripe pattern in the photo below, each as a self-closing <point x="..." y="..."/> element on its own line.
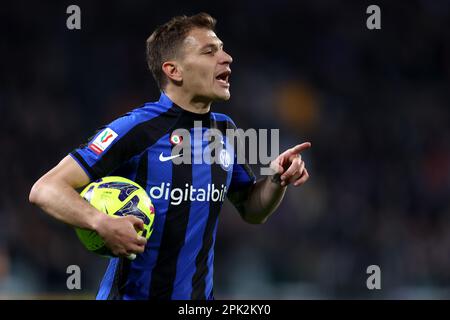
<point x="175" y="226"/>
<point x="218" y="178"/>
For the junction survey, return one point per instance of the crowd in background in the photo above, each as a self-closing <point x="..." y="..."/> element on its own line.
<point x="374" y="104"/>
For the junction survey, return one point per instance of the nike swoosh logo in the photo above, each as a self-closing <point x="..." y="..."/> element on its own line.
<point x="162" y="158"/>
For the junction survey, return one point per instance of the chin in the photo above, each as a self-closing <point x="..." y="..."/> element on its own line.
<point x="223" y="96"/>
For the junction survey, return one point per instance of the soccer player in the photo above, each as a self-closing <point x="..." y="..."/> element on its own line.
<point x="192" y="70"/>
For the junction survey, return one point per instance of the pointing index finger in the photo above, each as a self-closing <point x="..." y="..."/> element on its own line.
<point x="300" y="147"/>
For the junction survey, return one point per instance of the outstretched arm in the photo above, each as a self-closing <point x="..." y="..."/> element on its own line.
<point x="262" y="199"/>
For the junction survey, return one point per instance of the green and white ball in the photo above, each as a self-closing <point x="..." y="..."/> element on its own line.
<point x="117" y="197"/>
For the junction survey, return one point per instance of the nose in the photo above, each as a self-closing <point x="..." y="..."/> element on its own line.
<point x="226" y="58"/>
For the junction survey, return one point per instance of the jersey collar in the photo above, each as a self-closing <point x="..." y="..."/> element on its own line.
<point x="164" y="100"/>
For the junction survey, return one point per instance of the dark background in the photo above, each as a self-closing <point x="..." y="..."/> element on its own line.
<point x="374" y="104"/>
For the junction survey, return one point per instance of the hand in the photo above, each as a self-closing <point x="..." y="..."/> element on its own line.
<point x="290" y="166"/>
<point x="120" y="235"/>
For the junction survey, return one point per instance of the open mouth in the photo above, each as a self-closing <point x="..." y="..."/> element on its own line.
<point x="223" y="78"/>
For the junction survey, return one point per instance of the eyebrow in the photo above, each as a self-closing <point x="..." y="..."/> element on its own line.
<point x="212" y="45"/>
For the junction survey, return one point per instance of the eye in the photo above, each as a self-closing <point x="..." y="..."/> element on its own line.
<point x="208" y="52"/>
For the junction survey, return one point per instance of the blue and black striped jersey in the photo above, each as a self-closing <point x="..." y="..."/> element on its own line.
<point x="178" y="259"/>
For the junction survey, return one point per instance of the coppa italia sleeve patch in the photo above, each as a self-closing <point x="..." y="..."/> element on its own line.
<point x="103" y="140"/>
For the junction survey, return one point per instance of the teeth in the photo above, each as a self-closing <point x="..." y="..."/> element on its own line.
<point x="222" y="81"/>
<point x="223" y="76"/>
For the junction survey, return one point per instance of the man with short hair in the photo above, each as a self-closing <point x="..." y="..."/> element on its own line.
<point x="192" y="70"/>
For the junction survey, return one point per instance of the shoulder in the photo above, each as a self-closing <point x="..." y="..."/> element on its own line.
<point x="220" y="117"/>
<point x="137" y="117"/>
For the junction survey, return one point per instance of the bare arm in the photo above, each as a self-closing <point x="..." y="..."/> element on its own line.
<point x="264" y="197"/>
<point x="56" y="194"/>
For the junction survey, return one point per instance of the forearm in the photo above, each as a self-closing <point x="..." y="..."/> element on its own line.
<point x="56" y="194"/>
<point x="263" y="199"/>
<point x="62" y="202"/>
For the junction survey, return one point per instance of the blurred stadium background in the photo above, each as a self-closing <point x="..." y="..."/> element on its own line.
<point x="375" y="105"/>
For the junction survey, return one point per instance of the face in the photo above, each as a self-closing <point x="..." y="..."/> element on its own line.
<point x="205" y="66"/>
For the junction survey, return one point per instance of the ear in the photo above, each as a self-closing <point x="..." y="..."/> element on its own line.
<point x="172" y="70"/>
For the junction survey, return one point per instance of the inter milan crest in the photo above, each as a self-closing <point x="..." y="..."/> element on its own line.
<point x="225" y="159"/>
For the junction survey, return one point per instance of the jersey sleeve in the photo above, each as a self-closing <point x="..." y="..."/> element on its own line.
<point x="242" y="178"/>
<point x="110" y="146"/>
<point x="241" y="184"/>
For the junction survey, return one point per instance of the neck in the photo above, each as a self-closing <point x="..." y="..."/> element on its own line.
<point x="187" y="101"/>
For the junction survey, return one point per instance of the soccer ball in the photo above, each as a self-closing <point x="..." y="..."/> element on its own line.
<point x="117" y="197"/>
